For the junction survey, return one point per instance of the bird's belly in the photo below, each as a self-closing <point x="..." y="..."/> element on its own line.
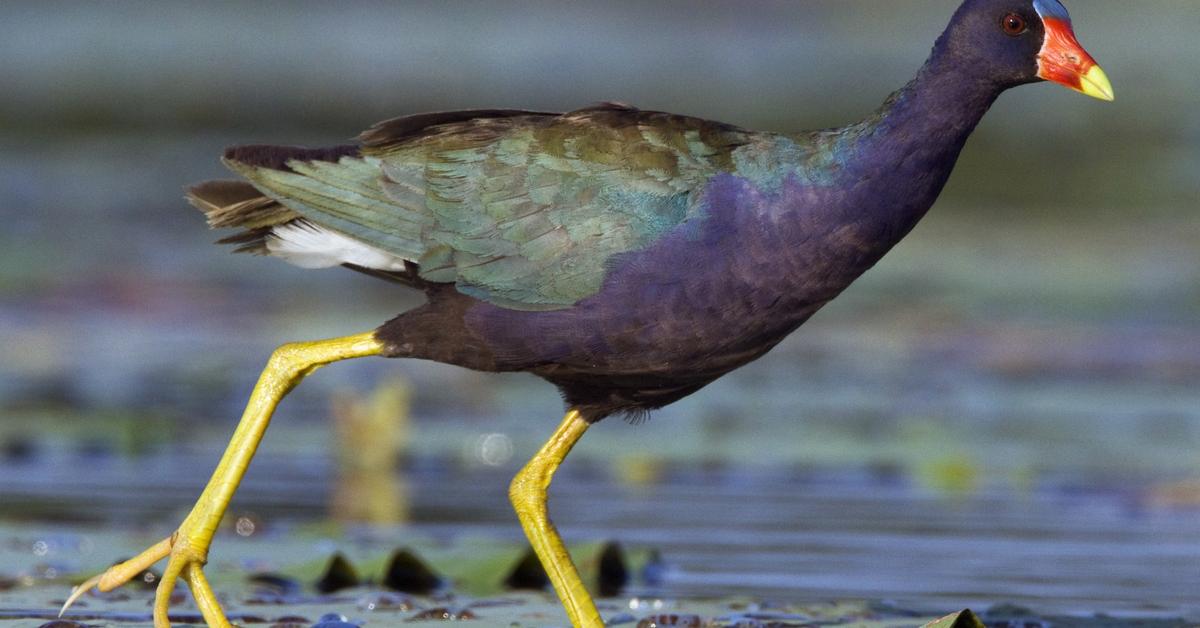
<point x="697" y="330"/>
<point x="660" y="353"/>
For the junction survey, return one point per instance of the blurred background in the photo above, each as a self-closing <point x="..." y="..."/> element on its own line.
<point x="1007" y="409"/>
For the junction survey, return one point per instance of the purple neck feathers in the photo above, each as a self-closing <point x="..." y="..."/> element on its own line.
<point x="906" y="151"/>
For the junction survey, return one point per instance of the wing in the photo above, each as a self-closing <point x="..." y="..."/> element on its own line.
<point x="521" y="209"/>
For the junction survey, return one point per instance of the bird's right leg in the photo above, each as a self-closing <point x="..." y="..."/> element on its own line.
<point x="528" y="495"/>
<point x="187" y="548"/>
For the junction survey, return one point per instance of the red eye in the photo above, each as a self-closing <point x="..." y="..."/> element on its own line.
<point x="1013" y="24"/>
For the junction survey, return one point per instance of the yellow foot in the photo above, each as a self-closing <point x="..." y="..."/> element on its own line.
<point x="188" y="547"/>
<point x="187" y="557"/>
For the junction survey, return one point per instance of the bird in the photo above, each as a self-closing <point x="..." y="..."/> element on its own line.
<point x="628" y="257"/>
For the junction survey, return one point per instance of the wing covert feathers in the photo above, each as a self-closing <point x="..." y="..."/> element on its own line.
<point x="520" y="208"/>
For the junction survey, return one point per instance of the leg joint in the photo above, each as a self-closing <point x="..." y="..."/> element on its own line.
<point x="302" y="358"/>
<point x="527" y="489"/>
<point x="289" y="358"/>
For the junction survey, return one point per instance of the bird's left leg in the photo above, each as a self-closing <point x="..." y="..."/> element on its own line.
<point x="528" y="495"/>
<point x="188" y="546"/>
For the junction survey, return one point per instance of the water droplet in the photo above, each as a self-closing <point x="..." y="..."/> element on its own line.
<point x="244" y="526"/>
<point x="40" y="548"/>
<point x="494" y="449"/>
<point x="443" y="613"/>
<point x="660" y="621"/>
<point x="384" y="601"/>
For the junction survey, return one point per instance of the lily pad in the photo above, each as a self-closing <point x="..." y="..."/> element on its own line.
<point x="961" y="619"/>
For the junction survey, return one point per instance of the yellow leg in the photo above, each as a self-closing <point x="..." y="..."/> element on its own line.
<point x="188" y="546"/>
<point x="528" y="495"/>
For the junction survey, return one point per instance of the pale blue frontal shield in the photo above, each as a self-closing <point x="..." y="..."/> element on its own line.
<point x="1051" y="9"/>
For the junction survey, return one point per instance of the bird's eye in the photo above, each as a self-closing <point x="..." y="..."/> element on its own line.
<point x="1013" y="24"/>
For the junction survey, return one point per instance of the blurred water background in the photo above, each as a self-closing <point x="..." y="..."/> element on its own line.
<point x="1006" y="409"/>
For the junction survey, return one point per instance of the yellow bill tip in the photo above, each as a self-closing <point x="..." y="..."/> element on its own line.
<point x="1095" y="83"/>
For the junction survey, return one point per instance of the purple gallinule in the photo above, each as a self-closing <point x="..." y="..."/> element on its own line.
<point x="628" y="257"/>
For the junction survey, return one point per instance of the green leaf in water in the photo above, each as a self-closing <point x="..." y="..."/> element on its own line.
<point x="964" y="619"/>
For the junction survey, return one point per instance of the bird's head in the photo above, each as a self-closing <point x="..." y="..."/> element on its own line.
<point x="1022" y="41"/>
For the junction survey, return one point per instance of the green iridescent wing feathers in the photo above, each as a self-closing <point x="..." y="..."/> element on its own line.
<point x="521" y="209"/>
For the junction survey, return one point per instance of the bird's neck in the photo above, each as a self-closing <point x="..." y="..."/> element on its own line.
<point x="904" y="153"/>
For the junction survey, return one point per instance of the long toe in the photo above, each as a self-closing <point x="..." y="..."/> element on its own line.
<point x="206" y="600"/>
<point x="188" y="555"/>
<point x="121" y="573"/>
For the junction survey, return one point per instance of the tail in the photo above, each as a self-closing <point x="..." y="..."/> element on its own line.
<point x="238" y="204"/>
<point x="313" y="208"/>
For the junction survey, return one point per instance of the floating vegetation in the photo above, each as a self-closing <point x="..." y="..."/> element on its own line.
<point x="528" y="574"/>
<point x="340" y="574"/>
<point x="407" y="573"/>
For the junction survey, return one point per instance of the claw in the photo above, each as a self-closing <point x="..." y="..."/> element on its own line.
<point x="120" y="573"/>
<point x="78" y="591"/>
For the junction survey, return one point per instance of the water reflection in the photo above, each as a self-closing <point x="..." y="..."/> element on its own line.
<point x="372" y="436"/>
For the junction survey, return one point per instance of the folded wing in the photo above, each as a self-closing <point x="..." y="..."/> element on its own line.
<point x="522" y="209"/>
